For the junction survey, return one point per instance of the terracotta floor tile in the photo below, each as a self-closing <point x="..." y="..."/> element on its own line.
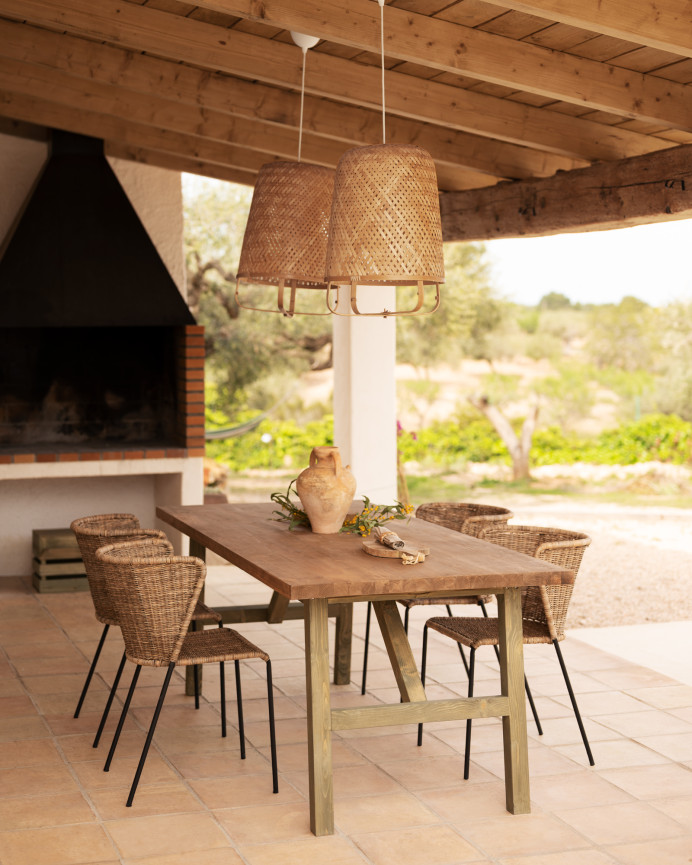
<point x="677" y="807"/>
<point x="435" y="773"/>
<point x="220" y="856"/>
<point x="34" y="812"/>
<point x="122" y="771"/>
<point x="138" y="837"/>
<point x="79" y="748"/>
<point x="515" y="835"/>
<point x="602" y="703"/>
<point x="195" y="740"/>
<point x="382" y="748"/>
<point x="60" y="684"/>
<point x="294" y="757"/>
<point x="370" y="813"/>
<point x="10" y="686"/>
<point x="63" y="845"/>
<point x="423" y="845"/>
<point x="334" y="849"/>
<point x="613" y="754"/>
<point x="649" y="723"/>
<point x="677" y="746"/>
<point x="41" y="630"/>
<point x="17" y="706"/>
<point x="12" y="729"/>
<point x="622" y="823"/>
<point x="28" y="752"/>
<point x="174" y="717"/>
<point x="351" y="781"/>
<point x="225" y="765"/>
<point x="542" y="761"/>
<point x="150" y="801"/>
<point x="652" y="782"/>
<point x="219" y="793"/>
<point x="39" y="780"/>
<point x="665" y="697"/>
<point x="266" y="823"/>
<point x="464" y="804"/>
<point x="571" y="857"/>
<point x="56" y="705"/>
<point x="672" y="852"/>
<point x="565" y="731"/>
<point x="577" y="790"/>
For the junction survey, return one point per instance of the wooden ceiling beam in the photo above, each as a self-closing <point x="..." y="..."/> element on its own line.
<point x="659" y="25"/>
<point x="643" y="189"/>
<point x="451" y="47"/>
<point x="153" y="123"/>
<point x="211" y="47"/>
<point x="178" y="162"/>
<point x="239" y="98"/>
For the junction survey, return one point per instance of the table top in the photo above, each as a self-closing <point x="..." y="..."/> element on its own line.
<point x="300" y="564"/>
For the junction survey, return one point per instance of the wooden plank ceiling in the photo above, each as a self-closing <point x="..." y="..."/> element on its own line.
<point x="541" y="116"/>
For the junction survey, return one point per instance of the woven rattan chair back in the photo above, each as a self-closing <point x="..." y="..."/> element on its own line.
<point x="98" y="531"/>
<point x="544" y="606"/>
<point x="465" y="517"/>
<point x="154" y="598"/>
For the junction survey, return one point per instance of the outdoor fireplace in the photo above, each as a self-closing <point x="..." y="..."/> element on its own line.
<point x="99" y="355"/>
<point x="101" y="362"/>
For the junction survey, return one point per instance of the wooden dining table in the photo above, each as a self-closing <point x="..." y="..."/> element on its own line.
<point x="319" y="569"/>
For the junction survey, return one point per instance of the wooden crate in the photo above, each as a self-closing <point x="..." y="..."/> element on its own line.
<point x="58" y="565"/>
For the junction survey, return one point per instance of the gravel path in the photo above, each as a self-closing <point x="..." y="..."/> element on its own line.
<point x="638" y="568"/>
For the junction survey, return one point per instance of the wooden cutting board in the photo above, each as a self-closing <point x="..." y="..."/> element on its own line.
<point x="375" y="548"/>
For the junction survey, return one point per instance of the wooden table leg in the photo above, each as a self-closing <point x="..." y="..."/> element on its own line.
<point x="200" y="552"/>
<point x="342" y="644"/>
<point x="399" y="651"/>
<point x="514" y="725"/>
<point x="319" y="718"/>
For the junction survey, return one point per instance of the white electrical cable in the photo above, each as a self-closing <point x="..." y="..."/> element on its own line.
<point x="381" y="2"/>
<point x="302" y="100"/>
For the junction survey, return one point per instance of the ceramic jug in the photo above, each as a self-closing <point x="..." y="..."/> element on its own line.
<point x="326" y="490"/>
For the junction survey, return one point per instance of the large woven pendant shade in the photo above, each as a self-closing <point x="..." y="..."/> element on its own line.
<point x="285" y="240"/>
<point x="385" y="226"/>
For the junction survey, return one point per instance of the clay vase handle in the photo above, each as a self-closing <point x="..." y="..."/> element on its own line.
<point x="336" y="457"/>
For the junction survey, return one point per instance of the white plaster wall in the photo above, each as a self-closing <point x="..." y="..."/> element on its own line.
<point x="52" y="503"/>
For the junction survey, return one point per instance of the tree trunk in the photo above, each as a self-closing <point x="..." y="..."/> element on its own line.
<point x="519" y="447"/>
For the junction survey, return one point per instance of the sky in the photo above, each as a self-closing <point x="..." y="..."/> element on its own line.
<point x="651" y="262"/>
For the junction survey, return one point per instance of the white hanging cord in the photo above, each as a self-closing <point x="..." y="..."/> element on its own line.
<point x="302" y="100"/>
<point x="303" y="41"/>
<point x="381" y="2"/>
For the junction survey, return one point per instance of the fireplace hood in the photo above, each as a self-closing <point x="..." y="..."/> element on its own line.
<point x="79" y="255"/>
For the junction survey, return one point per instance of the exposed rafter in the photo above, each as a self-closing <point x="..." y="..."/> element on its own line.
<point x="667" y="26"/>
<point x="639" y="190"/>
<point x="212" y="47"/>
<point x="453" y="48"/>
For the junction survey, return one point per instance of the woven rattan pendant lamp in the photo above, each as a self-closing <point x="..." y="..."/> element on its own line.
<point x="385" y="226"/>
<point x="285" y="241"/>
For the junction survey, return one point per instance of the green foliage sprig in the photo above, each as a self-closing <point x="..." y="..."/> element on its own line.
<point x="355" y="524"/>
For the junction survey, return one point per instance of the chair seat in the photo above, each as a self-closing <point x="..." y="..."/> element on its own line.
<point x="217" y="644"/>
<point x="475" y="632"/>
<point x="427" y="602"/>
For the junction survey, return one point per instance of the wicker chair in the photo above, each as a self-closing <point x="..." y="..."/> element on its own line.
<point x="97" y="531"/>
<point x="465" y="517"/>
<point x="154" y="598"/>
<point x="544" y="608"/>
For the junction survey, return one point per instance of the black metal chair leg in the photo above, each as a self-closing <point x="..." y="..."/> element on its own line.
<point x="195" y="679"/>
<point x="467" y="752"/>
<point x="577" y="715"/>
<point x="365" y="651"/>
<point x="406" y="612"/>
<point x="481" y="604"/>
<point x="529" y="696"/>
<point x="123" y="715"/>
<point x="461" y="648"/>
<point x="109" y="702"/>
<point x="423" y="663"/>
<point x="239" y="698"/>
<point x="150" y="734"/>
<point x="222" y="688"/>
<point x="272" y="731"/>
<point x="94" y="660"/>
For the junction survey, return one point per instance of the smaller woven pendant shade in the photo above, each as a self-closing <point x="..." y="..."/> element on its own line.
<point x="385" y="226"/>
<point x="285" y="240"/>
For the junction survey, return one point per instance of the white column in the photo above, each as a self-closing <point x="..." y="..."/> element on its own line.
<point x="365" y="394"/>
